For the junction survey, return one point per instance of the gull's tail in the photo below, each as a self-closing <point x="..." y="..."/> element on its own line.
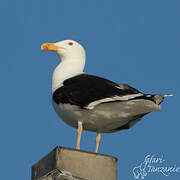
<point x="158" y="98"/>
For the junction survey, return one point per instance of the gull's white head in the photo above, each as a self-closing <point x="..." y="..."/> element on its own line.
<point x="72" y="56"/>
<point x="67" y="49"/>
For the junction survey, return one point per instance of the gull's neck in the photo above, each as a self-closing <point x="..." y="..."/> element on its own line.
<point x="65" y="70"/>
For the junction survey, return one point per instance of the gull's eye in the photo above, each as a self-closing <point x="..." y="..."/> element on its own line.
<point x="70" y="43"/>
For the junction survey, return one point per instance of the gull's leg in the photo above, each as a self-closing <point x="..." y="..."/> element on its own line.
<point x="79" y="131"/>
<point x="98" y="138"/>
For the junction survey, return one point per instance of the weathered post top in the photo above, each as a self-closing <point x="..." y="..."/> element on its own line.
<point x="71" y="164"/>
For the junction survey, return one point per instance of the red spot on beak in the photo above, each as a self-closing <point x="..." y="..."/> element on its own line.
<point x="46" y="48"/>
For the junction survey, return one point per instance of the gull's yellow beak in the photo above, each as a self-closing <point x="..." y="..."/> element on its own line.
<point x="49" y="47"/>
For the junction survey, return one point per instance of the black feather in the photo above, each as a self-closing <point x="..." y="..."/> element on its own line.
<point x="84" y="89"/>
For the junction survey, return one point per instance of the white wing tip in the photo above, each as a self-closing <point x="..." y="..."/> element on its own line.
<point x="165" y="95"/>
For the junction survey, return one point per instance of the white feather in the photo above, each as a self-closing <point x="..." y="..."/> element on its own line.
<point x="114" y="98"/>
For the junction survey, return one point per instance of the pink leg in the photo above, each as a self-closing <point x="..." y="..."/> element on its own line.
<point x="98" y="138"/>
<point x="79" y="131"/>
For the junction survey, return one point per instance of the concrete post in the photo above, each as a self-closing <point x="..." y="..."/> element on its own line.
<point x="71" y="164"/>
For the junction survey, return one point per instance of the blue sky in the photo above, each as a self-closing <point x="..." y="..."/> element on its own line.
<point x="131" y="41"/>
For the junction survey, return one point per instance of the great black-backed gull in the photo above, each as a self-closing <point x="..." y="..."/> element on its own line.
<point x="93" y="103"/>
